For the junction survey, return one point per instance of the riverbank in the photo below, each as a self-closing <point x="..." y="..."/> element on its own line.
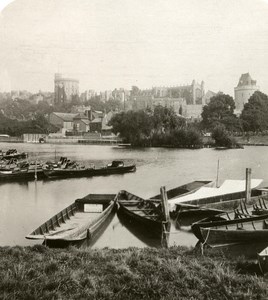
<point x="177" y="273"/>
<point x="255" y="140"/>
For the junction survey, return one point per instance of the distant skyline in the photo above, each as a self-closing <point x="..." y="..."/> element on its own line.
<point x="108" y="44"/>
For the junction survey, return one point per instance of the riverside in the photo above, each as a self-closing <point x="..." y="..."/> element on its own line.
<point x="25" y="205"/>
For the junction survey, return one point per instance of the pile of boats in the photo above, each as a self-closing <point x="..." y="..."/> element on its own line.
<point x="218" y="216"/>
<point x="15" y="169"/>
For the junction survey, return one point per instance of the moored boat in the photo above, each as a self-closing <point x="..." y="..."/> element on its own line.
<point x="184" y="189"/>
<point x="79" y="221"/>
<point x="220" y="231"/>
<point x="187" y="214"/>
<point x="226" y="197"/>
<point x="146" y="214"/>
<point x="13" y="153"/>
<point x="21" y="175"/>
<point x="74" y="170"/>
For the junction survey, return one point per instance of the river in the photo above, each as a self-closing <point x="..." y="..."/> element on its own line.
<point x="24" y="206"/>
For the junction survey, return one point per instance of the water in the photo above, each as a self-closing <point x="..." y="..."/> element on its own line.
<point x="24" y="206"/>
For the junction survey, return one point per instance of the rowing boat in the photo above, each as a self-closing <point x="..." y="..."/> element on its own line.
<point x="187" y="214"/>
<point x="79" y="221"/>
<point x="220" y="231"/>
<point x="146" y="214"/>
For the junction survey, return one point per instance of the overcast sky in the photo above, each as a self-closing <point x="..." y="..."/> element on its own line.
<point x="108" y="44"/>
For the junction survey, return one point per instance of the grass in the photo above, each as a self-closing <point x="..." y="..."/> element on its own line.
<point x="177" y="273"/>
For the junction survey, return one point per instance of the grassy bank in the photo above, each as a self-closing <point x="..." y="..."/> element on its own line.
<point x="177" y="273"/>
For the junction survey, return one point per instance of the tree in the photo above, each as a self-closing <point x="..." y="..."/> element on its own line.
<point x="133" y="126"/>
<point x="255" y="113"/>
<point x="222" y="137"/>
<point x="166" y="120"/>
<point x="113" y="105"/>
<point x="220" y="110"/>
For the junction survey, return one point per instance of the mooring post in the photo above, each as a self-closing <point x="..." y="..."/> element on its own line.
<point x="248" y="185"/>
<point x="166" y="218"/>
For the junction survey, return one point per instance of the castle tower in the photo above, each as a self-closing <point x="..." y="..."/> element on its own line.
<point x="245" y="88"/>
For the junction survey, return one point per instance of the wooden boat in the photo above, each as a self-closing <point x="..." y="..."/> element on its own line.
<point x="79" y="221"/>
<point x="223" y="201"/>
<point x="21" y="175"/>
<point x="220" y="231"/>
<point x="116" y="167"/>
<point x="263" y="260"/>
<point x="146" y="214"/>
<point x="13" y="153"/>
<point x="184" y="189"/>
<point x="187" y="214"/>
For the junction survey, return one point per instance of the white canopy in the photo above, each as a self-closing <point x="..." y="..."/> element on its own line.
<point x="228" y="186"/>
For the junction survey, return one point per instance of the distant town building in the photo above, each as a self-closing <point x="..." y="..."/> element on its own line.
<point x="24" y="95"/>
<point x="192" y="93"/>
<point x="245" y="88"/>
<point x="186" y="100"/>
<point x="66" y="89"/>
<point x="87" y="95"/>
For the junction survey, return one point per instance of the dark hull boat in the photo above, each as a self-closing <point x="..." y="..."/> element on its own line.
<point x="71" y="173"/>
<point x="219" y="231"/>
<point x="145" y="214"/>
<point x="184" y="189"/>
<point x="79" y="221"/>
<point x="21" y="175"/>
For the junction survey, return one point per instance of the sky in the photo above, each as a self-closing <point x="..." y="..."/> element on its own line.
<point x="108" y="44"/>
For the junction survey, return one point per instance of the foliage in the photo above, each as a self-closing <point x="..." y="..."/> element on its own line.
<point x="166" y="120"/>
<point x="134" y="127"/>
<point x="159" y="128"/>
<point x="111" y="105"/>
<point x="222" y="137"/>
<point x="14" y="127"/>
<point x="255" y="113"/>
<point x="177" y="273"/>
<point x="220" y="110"/>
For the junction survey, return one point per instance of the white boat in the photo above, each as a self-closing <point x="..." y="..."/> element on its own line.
<point x="229" y="190"/>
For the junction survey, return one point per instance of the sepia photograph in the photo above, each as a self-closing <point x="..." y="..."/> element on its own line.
<point x="133" y="149"/>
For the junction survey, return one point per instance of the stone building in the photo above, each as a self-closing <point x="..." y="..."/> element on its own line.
<point x="185" y="100"/>
<point x="66" y="89"/>
<point x="245" y="88"/>
<point x="192" y="93"/>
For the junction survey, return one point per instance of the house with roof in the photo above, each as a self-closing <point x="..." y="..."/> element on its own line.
<point x="62" y="120"/>
<point x="91" y="121"/>
<point x="81" y="123"/>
